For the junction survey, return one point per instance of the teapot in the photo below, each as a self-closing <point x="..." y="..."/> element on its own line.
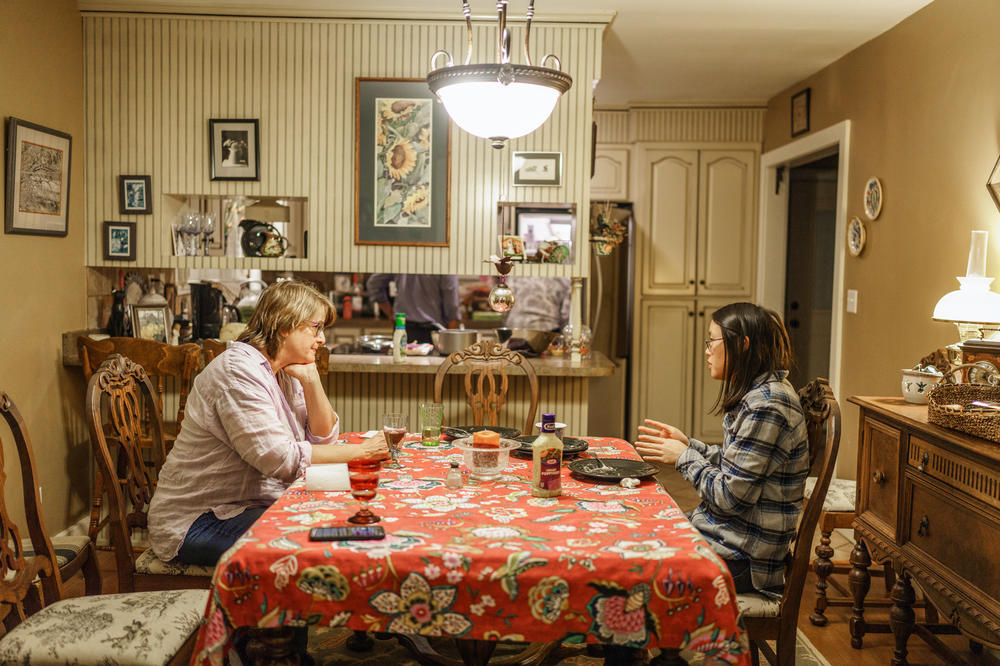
<point x="250" y="291"/>
<point x="261" y="239"/>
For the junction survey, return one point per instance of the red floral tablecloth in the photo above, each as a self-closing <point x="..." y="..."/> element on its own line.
<point x="600" y="564"/>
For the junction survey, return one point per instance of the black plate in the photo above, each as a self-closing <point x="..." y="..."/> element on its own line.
<point x="637" y="469"/>
<point x="572" y="446"/>
<point x="456" y="432"/>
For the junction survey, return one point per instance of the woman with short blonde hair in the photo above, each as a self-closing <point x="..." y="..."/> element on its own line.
<point x="257" y="416"/>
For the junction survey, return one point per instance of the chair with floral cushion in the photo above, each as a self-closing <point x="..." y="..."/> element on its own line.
<point x="768" y="619"/>
<point x="121" y="389"/>
<point x="42" y="628"/>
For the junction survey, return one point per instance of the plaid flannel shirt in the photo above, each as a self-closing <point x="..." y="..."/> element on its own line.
<point x="752" y="486"/>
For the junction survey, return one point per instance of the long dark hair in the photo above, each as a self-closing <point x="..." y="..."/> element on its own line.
<point x="767" y="352"/>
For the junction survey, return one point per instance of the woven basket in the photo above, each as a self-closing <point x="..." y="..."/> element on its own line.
<point x="981" y="424"/>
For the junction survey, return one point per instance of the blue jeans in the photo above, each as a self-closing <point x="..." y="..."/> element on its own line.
<point x="740" y="569"/>
<point x="208" y="537"/>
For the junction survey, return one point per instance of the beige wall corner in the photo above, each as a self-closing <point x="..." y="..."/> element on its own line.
<point x="43" y="277"/>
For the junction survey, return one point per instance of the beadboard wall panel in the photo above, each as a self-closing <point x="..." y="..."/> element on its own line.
<point x="152" y="82"/>
<point x="701" y="124"/>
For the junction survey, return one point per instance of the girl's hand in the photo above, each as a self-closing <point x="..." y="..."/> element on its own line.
<point x="657" y="429"/>
<point x="660" y="442"/>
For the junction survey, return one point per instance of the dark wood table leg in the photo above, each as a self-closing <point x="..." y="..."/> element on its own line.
<point x="475" y="652"/>
<point x="901" y="616"/>
<point x="360" y="641"/>
<point x="860" y="581"/>
<point x="823" y="568"/>
<point x="271" y="646"/>
<point x="668" y="657"/>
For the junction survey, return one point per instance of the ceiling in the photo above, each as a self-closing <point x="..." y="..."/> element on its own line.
<point x="655" y="51"/>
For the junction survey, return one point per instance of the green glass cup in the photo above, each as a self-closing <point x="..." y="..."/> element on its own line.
<point x="431" y="418"/>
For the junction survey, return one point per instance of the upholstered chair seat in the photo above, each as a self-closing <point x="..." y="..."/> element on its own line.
<point x="149" y="564"/>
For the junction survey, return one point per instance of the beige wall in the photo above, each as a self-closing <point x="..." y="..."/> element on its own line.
<point x="924" y="108"/>
<point x="43" y="277"/>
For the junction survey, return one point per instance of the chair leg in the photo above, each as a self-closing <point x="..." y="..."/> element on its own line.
<point x="95" y="507"/>
<point x="823" y="568"/>
<point x="754" y="654"/>
<point x="91" y="572"/>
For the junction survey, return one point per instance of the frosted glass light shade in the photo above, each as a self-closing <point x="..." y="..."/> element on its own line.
<point x="973" y="303"/>
<point x="494" y="111"/>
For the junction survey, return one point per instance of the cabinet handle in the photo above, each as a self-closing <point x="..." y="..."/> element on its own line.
<point x="924" y="529"/>
<point x="690" y="281"/>
<point x="878" y="477"/>
<point x="701" y="314"/>
<point x="701" y="282"/>
<point x="690" y="314"/>
<point x="924" y="457"/>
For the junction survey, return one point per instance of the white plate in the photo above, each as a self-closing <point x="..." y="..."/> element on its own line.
<point x="873" y="198"/>
<point x="856" y="236"/>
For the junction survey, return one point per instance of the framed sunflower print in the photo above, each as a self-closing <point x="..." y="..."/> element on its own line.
<point x="401" y="162"/>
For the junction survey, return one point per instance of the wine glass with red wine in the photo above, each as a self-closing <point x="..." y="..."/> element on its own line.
<point x="394" y="429"/>
<point x="363" y="475"/>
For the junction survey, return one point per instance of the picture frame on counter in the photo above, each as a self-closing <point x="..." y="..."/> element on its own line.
<point x="119" y="240"/>
<point x="134" y="195"/>
<point x="37" y="179"/>
<point x="511" y="246"/>
<point x="402" y="145"/>
<point x="234" y="149"/>
<point x="150" y="322"/>
<point x="537" y="168"/>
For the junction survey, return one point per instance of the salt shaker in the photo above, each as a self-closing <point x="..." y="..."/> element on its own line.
<point x="454" y="477"/>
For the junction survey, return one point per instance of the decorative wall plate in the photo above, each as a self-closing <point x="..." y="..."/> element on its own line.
<point x="873" y="198"/>
<point x="856" y="236"/>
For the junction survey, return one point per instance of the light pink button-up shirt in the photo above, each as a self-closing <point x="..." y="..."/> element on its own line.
<point x="244" y="439"/>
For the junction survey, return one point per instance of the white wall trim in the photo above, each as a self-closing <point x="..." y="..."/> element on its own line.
<point x="773" y="235"/>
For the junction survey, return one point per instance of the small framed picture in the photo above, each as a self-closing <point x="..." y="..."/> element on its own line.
<point x="150" y="322"/>
<point x="37" y="185"/>
<point x="119" y="240"/>
<point x="133" y="195"/>
<point x="234" y="147"/>
<point x="800" y="112"/>
<point x="512" y="246"/>
<point x="537" y="168"/>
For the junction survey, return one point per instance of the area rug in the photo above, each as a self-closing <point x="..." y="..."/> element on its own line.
<point x="327" y="647"/>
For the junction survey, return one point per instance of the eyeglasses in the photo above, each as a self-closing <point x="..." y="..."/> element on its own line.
<point x="709" y="341"/>
<point x="315" y="326"/>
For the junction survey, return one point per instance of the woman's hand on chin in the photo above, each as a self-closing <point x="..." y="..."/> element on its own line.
<point x="306" y="373"/>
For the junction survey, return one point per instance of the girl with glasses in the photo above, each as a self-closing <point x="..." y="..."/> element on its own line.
<point x="751" y="486"/>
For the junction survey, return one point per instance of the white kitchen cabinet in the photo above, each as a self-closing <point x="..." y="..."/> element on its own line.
<point x="663" y="364"/>
<point x="726" y="229"/>
<point x="610" y="181"/>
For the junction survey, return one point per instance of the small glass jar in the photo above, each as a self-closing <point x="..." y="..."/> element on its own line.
<point x="453" y="479"/>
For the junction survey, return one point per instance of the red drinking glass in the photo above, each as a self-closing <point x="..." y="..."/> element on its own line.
<point x="363" y="474"/>
<point x="394" y="429"/>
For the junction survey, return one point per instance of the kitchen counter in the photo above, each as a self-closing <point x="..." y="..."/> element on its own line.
<point x="596" y="365"/>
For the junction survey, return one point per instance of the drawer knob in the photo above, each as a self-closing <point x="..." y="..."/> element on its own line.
<point x="925" y="526"/>
<point x="878" y="477"/>
<point x="924" y="457"/>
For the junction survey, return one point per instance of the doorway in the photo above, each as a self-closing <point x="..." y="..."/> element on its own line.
<point x="809" y="257"/>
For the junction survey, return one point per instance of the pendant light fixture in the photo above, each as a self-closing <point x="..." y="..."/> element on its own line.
<point x="498" y="101"/>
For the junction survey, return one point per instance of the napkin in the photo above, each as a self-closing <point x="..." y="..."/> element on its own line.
<point x="327" y="477"/>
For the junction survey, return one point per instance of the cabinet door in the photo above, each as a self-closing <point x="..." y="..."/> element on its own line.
<point x="706" y="426"/>
<point x="726" y="229"/>
<point x="662" y="374"/>
<point x="667" y="213"/>
<point x="610" y="181"/>
<point x="878" y="476"/>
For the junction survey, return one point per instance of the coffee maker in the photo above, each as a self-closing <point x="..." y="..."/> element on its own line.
<point x="209" y="311"/>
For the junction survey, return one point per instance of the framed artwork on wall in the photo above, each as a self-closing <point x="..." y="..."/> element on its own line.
<point x="134" y="195"/>
<point x="537" y="168"/>
<point x="119" y="240"/>
<point x="800" y="112"/>
<point x="234" y="148"/>
<point x="401" y="164"/>
<point x="37" y="185"/>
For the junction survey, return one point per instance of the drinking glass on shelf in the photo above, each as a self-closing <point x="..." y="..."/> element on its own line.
<point x="363" y="475"/>
<point x="191" y="228"/>
<point x="394" y="428"/>
<point x="207" y="229"/>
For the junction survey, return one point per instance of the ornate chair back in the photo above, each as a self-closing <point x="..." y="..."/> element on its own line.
<point x="778" y="621"/>
<point x="486" y="380"/>
<point x="210" y="348"/>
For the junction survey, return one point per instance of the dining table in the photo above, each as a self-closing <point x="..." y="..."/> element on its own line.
<point x="602" y="563"/>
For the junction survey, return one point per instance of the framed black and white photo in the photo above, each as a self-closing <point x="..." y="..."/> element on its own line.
<point x="150" y="322"/>
<point x="234" y="146"/>
<point x="800" y="112"/>
<point x="37" y="184"/>
<point x="119" y="240"/>
<point x="133" y="195"/>
<point x="537" y="168"/>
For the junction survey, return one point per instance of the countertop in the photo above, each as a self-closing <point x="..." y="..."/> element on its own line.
<point x="595" y="365"/>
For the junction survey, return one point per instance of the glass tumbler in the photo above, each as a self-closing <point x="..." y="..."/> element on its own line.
<point x="431" y="418"/>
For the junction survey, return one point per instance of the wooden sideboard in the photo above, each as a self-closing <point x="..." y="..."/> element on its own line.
<point x="929" y="503"/>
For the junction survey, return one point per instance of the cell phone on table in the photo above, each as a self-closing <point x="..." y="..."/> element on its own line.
<point x="347" y="533"/>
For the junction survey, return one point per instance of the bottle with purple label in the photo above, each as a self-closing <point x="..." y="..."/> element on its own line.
<point x="546" y="455"/>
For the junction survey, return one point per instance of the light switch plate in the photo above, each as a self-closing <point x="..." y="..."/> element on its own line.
<point x="852" y="301"/>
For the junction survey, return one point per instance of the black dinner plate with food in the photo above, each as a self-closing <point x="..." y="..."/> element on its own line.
<point x="456" y="432"/>
<point x="620" y="468"/>
<point x="572" y="446"/>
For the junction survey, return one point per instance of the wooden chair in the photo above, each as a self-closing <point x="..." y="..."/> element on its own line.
<point x="159" y="360"/>
<point x="121" y="389"/>
<point x="143" y="628"/>
<point x="486" y="380"/>
<point x="767" y="619"/>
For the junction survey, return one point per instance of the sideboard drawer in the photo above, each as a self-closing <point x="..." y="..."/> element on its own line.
<point x="956" y="534"/>
<point x="879" y="475"/>
<point x="954" y="470"/>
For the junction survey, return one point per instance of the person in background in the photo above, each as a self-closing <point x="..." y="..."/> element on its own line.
<point x="256" y="417"/>
<point x="752" y="486"/>
<point x="540" y="303"/>
<point x="430" y="302"/>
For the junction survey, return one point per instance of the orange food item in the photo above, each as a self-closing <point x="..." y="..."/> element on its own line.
<point x="486" y="438"/>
